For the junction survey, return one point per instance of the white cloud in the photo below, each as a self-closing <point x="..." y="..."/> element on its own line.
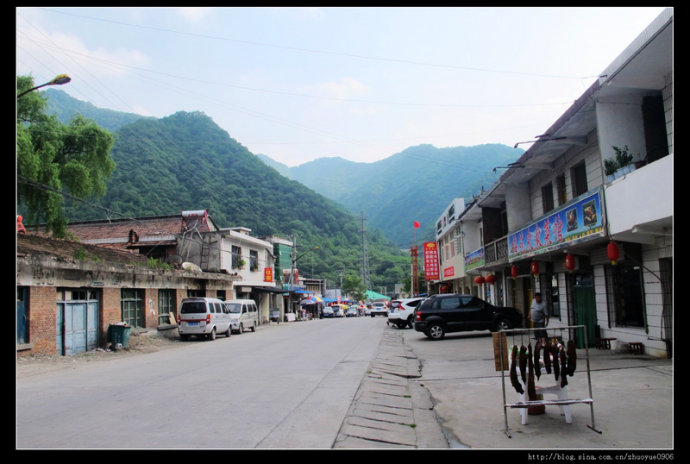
<point x="193" y="14"/>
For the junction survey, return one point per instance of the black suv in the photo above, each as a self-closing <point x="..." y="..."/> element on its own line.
<point x="452" y="312"/>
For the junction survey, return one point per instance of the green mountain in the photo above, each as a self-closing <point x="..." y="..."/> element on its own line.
<point x="186" y="162"/>
<point x="416" y="184"/>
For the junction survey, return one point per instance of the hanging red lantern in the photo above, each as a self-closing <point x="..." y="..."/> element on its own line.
<point x="490" y="279"/>
<point x="479" y="280"/>
<point x="514" y="271"/>
<point x="569" y="262"/>
<point x="613" y="252"/>
<point x="534" y="267"/>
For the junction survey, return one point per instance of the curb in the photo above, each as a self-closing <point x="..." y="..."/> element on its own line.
<point x="389" y="410"/>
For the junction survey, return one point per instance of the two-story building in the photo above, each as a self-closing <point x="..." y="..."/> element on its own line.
<point x="585" y="215"/>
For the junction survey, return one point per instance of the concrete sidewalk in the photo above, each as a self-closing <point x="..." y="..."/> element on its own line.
<point x="447" y="394"/>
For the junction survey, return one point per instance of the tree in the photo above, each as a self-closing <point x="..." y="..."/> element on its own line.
<point x="353" y="286"/>
<point x="53" y="159"/>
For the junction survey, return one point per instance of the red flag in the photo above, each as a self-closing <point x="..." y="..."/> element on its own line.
<point x="416" y="225"/>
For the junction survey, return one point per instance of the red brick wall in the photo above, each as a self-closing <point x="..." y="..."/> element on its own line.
<point x="42" y="303"/>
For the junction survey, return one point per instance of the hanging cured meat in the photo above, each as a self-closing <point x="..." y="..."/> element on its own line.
<point x="531" y="388"/>
<point x="537" y="364"/>
<point x="513" y="371"/>
<point x="564" y="367"/>
<point x="556" y="363"/>
<point x="523" y="363"/>
<point x="572" y="357"/>
<point x="547" y="358"/>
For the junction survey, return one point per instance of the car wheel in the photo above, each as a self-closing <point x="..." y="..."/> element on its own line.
<point x="212" y="335"/>
<point x="410" y="322"/>
<point x="254" y="328"/>
<point x="241" y="329"/>
<point x="184" y="337"/>
<point x="401" y="324"/>
<point x="503" y="324"/>
<point x="436" y="332"/>
<point x="229" y="331"/>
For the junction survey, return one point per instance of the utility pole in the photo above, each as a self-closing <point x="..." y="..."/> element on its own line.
<point x="365" y="261"/>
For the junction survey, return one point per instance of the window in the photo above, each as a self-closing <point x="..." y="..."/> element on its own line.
<point x="579" y="179"/>
<point x="561" y="191"/>
<point x="625" y="298"/>
<point x="253" y="260"/>
<point x="547" y="197"/>
<point x="132" y="307"/>
<point x="236" y="256"/>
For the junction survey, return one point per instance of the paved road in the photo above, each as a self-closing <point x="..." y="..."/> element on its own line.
<point x="285" y="386"/>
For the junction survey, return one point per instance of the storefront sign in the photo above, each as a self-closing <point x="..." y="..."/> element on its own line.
<point x="474" y="259"/>
<point x="431" y="267"/>
<point x="449" y="271"/>
<point x="575" y="222"/>
<point x="268" y="274"/>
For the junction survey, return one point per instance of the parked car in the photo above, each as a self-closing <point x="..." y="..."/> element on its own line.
<point x="402" y="312"/>
<point x="378" y="309"/>
<point x="204" y="317"/>
<point x="367" y="310"/>
<point x="351" y="312"/>
<point x="327" y="312"/>
<point x="274" y="315"/>
<point x="445" y="313"/>
<point x="337" y="311"/>
<point x="244" y="314"/>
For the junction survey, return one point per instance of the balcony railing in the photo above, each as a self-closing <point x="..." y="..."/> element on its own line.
<point x="496" y="252"/>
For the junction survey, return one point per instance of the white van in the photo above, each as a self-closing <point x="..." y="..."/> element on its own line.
<point x="205" y="317"/>
<point x="244" y="314"/>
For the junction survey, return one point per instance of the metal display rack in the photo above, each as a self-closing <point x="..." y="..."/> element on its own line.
<point x="562" y="400"/>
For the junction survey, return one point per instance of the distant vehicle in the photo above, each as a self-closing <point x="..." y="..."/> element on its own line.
<point x="352" y="312"/>
<point x="244" y="315"/>
<point x="204" y="317"/>
<point x="403" y="311"/>
<point x="327" y="312"/>
<point x="337" y="311"/>
<point x="378" y="309"/>
<point x="452" y="312"/>
<point x="274" y="315"/>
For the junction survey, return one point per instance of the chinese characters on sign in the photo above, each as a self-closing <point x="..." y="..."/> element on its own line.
<point x="575" y="222"/>
<point x="268" y="274"/>
<point x="431" y="269"/>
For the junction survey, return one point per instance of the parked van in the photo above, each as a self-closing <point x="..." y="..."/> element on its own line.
<point x="244" y="314"/>
<point x="204" y="317"/>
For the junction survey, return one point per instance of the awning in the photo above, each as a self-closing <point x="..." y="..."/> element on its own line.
<point x="268" y="289"/>
<point x="312" y="300"/>
<point x="371" y="295"/>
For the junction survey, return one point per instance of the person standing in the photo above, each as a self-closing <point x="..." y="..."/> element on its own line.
<point x="539" y="316"/>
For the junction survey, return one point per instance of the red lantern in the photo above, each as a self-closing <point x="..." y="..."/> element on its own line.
<point x="490" y="279"/>
<point x="613" y="252"/>
<point x="569" y="262"/>
<point x="534" y="267"/>
<point x="479" y="280"/>
<point x="514" y="271"/>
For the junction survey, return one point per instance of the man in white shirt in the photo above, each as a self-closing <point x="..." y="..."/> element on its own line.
<point x="539" y="316"/>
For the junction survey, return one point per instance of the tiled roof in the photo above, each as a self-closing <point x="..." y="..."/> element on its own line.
<point x="36" y="245"/>
<point x="117" y="232"/>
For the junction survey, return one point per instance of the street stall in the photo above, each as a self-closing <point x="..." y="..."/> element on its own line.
<point x="553" y="360"/>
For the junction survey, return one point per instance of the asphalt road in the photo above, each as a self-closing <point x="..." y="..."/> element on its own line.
<point x="283" y="387"/>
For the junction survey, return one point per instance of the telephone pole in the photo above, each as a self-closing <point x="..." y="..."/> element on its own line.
<point x="365" y="261"/>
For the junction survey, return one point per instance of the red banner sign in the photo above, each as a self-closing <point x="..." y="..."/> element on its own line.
<point x="268" y="274"/>
<point x="431" y="268"/>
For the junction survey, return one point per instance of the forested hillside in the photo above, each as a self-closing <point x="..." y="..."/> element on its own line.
<point x="186" y="162"/>
<point x="416" y="184"/>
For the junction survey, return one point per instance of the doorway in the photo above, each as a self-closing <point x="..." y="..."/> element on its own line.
<point x="584" y="310"/>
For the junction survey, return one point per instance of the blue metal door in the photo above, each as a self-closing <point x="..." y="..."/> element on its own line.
<point x="77" y="326"/>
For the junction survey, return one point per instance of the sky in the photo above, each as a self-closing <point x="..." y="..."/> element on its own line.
<point x="360" y="83"/>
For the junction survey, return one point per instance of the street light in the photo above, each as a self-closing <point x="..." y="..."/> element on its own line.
<point x="59" y="80"/>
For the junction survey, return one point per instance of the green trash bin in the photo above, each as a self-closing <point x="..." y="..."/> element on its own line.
<point x="119" y="334"/>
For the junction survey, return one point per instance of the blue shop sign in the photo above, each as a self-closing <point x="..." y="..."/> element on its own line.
<point x="578" y="221"/>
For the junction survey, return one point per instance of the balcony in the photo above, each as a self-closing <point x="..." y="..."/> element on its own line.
<point x="642" y="200"/>
<point x="496" y="252"/>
